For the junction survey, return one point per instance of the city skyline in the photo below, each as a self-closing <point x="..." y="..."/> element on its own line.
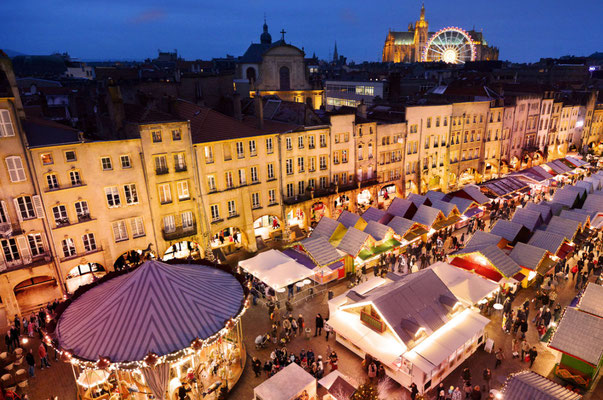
<point x="91" y="31"/>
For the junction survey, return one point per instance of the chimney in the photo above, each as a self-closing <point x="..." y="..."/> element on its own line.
<point x="236" y="104"/>
<point x="259" y="110"/>
<point x="361" y="110"/>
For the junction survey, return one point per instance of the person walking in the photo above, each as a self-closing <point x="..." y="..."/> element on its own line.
<point x="533" y="354"/>
<point x="257" y="367"/>
<point x="413" y="391"/>
<point x="525" y="348"/>
<point x="31" y="363"/>
<point x="333" y="360"/>
<point x="328" y="330"/>
<point x="476" y="394"/>
<point x="500" y="356"/>
<point x="487" y="377"/>
<point x="43" y="356"/>
<point x="457" y="394"/>
<point x="320" y="323"/>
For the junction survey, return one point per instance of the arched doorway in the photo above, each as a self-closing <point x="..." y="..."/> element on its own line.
<point x="434" y="183"/>
<point x="342" y="202"/>
<point x="319" y="209"/>
<point x="411" y="187"/>
<point x="284" y="78"/>
<point x="229" y="240"/>
<point x="183" y="250"/>
<point x="386" y="195"/>
<point x="267" y="227"/>
<point x="250" y="73"/>
<point x="514" y="163"/>
<point x="452" y="179"/>
<point x="36" y="292"/>
<point x="490" y="171"/>
<point x="133" y="258"/>
<point x="467" y="177"/>
<point x="83" y="274"/>
<point x="296" y="217"/>
<point x="364" y="198"/>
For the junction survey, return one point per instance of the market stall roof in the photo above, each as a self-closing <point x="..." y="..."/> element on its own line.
<point x="448" y="209"/>
<point x="275" y="268"/>
<point x="547" y="240"/>
<point x="378" y="231"/>
<point x="558" y="167"/>
<point x="435" y="195"/>
<point x="545" y="211"/>
<point x="593" y="203"/>
<point x="576" y="216"/>
<point x="566" y="197"/>
<point x="373" y="214"/>
<point x="320" y="250"/>
<point x="465" y="285"/>
<point x="401" y="226"/>
<point x="481" y="238"/>
<point x="496" y="257"/>
<point x="529" y="385"/>
<point x="353" y="241"/>
<point x="585" y="185"/>
<point x="580" y="335"/>
<point x="592" y="299"/>
<point x="442" y="344"/>
<point x="576" y="161"/>
<point x="463" y="204"/>
<point x="349" y="220"/>
<point x="582" y="192"/>
<point x="427" y="216"/>
<point x="531" y="257"/>
<point x="529" y="219"/>
<point x="556" y="208"/>
<point x="149" y="310"/>
<point x="472" y="192"/>
<point x="284" y="385"/>
<point x="536" y="174"/>
<point x="418" y="199"/>
<point x="511" y="231"/>
<point x="402" y="208"/>
<point x="563" y="226"/>
<point x="329" y="229"/>
<point x="596" y="181"/>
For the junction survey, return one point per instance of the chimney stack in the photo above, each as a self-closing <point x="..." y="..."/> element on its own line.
<point x="259" y="110"/>
<point x="361" y="110"/>
<point x="236" y="102"/>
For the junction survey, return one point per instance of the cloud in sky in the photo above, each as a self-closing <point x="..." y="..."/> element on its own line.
<point x="147" y="16"/>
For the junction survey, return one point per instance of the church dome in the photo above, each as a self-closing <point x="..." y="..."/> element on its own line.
<point x="265" y="37"/>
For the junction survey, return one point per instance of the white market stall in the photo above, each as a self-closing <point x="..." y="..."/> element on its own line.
<point x="291" y="383"/>
<point x="276" y="269"/>
<point x="467" y="286"/>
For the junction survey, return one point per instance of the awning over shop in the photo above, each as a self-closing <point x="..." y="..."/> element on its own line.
<point x="275" y="269"/>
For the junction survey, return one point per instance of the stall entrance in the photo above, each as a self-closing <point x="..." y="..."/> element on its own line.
<point x="183" y="250"/>
<point x="364" y="199"/>
<point x="387" y="195"/>
<point x="296" y="217"/>
<point x="319" y="209"/>
<point x="36" y="292"/>
<point x="83" y="274"/>
<point x="467" y="177"/>
<point x="268" y="227"/>
<point x="340" y="204"/>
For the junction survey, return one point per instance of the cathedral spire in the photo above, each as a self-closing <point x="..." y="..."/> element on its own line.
<point x="335" y="55"/>
<point x="423" y="12"/>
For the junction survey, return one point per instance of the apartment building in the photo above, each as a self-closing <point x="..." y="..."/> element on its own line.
<point x="492" y="144"/>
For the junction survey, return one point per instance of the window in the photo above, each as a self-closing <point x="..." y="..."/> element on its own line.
<point x="301" y="187"/>
<point x="89" y="242"/>
<point x="52" y="181"/>
<point x="232" y="208"/>
<point x="15" y="169"/>
<point x="35" y="244"/>
<point x="156" y="135"/>
<point x="360" y="156"/>
<point x="81" y="210"/>
<point x="182" y="189"/>
<point x="46" y="159"/>
<point x="290" y="191"/>
<point x="370" y="151"/>
<point x="271" y="196"/>
<point x="413" y="128"/>
<point x="226" y="150"/>
<point x="323" y="140"/>
<point x="269" y="148"/>
<point x="137" y="226"/>
<point x="106" y="163"/>
<point x="176" y="135"/>
<point x="125" y="161"/>
<point x="112" y="194"/>
<point x="3" y="213"/>
<point x="6" y="126"/>
<point x="70" y="156"/>
<point x="300" y="142"/>
<point x="323" y="162"/>
<point x="211" y="183"/>
<point x="288" y="144"/>
<point x="323" y="182"/>
<point x="229" y="181"/>
<point x="169" y="223"/>
<point x="187" y="219"/>
<point x="165" y="193"/>
<point x="255" y="200"/>
<point x="311" y="183"/>
<point x="240" y="150"/>
<point x="344" y="156"/>
<point x="131" y="194"/>
<point x="161" y="165"/>
<point x="437" y="122"/>
<point x="68" y="247"/>
<point x="252" y="148"/>
<point x="311" y="142"/>
<point x="120" y="231"/>
<point x="445" y="121"/>
<point x="289" y="166"/>
<point x="25" y="207"/>
<point x="270" y="171"/>
<point x="429" y="122"/>
<point x="312" y="166"/>
<point x="215" y="212"/>
<point x="10" y="249"/>
<point x="179" y="162"/>
<point x="242" y="177"/>
<point x="75" y="178"/>
<point x="335" y="157"/>
<point x="300" y="164"/>
<point x="209" y="155"/>
<point x="254" y="174"/>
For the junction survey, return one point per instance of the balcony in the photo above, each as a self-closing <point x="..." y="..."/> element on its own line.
<point x="60" y="222"/>
<point x="179" y="232"/>
<point x="180" y="168"/>
<point x="40" y="259"/>
<point x="161" y="170"/>
<point x="84" y="217"/>
<point x="7" y="230"/>
<point x="56" y="188"/>
<point x="82" y="254"/>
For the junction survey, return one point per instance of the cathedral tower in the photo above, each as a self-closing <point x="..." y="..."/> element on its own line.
<point x="421" y="32"/>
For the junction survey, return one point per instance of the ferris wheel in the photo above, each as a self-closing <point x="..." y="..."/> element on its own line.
<point x="450" y="45"/>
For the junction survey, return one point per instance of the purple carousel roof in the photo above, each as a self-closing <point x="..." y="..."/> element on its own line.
<point x="157" y="308"/>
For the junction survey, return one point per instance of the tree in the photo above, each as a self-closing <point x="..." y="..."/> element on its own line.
<point x="366" y="391"/>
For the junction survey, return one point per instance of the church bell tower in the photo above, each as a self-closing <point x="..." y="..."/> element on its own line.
<point x="421" y="31"/>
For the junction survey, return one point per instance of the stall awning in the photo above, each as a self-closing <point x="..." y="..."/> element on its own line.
<point x="275" y="269"/>
<point x="445" y="223"/>
<point x="472" y="212"/>
<point x="565" y="250"/>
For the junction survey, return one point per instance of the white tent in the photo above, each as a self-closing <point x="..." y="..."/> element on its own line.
<point x="293" y="382"/>
<point x="275" y="269"/>
<point x="467" y="286"/>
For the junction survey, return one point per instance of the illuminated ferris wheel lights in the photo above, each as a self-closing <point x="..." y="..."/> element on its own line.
<point x="449" y="45"/>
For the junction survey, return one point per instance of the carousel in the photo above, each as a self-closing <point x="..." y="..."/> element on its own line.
<point x="154" y="332"/>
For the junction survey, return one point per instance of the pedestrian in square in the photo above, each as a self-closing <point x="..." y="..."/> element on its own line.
<point x="499" y="357"/>
<point x="320" y="323"/>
